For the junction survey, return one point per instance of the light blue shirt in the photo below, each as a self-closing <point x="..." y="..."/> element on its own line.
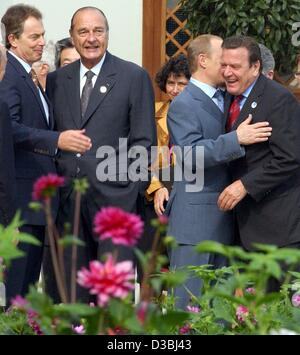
<point x="246" y="94"/>
<point x="96" y="70"/>
<point x="211" y="92"/>
<point x="27" y="67"/>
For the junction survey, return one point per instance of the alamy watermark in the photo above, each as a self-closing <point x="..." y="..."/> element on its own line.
<point x="123" y="164"/>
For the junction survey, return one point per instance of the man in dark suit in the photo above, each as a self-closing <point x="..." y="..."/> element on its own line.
<point x="35" y="142"/>
<point x="266" y="187"/>
<point x="111" y="99"/>
<point x="7" y="166"/>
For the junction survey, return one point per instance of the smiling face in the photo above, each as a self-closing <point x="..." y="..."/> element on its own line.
<point x="237" y="71"/>
<point x="30" y="44"/>
<point x="90" y="36"/>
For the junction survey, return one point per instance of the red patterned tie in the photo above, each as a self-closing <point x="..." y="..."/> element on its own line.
<point x="234" y="112"/>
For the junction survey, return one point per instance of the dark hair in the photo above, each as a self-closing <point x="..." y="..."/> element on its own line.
<point x="59" y="47"/>
<point x="14" y="19"/>
<point x="88" y="8"/>
<point x="249" y="43"/>
<point x="176" y="65"/>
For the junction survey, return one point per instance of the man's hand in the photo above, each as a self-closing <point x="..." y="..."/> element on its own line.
<point x="253" y="133"/>
<point x="74" y="141"/>
<point x="160" y="196"/>
<point x="231" y="196"/>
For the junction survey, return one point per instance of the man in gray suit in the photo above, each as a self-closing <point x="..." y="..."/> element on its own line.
<point x="196" y="119"/>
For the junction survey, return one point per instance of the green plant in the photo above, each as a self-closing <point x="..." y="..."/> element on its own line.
<point x="268" y="21"/>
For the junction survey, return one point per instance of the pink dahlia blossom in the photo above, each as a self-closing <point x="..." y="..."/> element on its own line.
<point x="296" y="300"/>
<point x="79" y="329"/>
<point x="121" y="227"/>
<point x="251" y="290"/>
<point x="193" y="309"/>
<point x="185" y="329"/>
<point x="45" y="187"/>
<point x="19" y="302"/>
<point x="32" y="322"/>
<point x="107" y="280"/>
<point x="242" y="313"/>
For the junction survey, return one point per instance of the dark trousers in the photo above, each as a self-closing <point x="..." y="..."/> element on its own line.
<point x="25" y="271"/>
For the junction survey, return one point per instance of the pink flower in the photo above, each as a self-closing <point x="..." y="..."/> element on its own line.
<point x="31" y="319"/>
<point x="78" y="329"/>
<point x="163" y="220"/>
<point x="193" y="309"/>
<point x="45" y="187"/>
<point x="121" y="227"/>
<point x="185" y="329"/>
<point x="296" y="300"/>
<point x="107" y="280"/>
<point x="19" y="302"/>
<point x="251" y="290"/>
<point x="242" y="313"/>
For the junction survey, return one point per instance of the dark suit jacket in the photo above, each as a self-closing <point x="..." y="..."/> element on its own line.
<point x="270" y="171"/>
<point x="7" y="168"/>
<point x="34" y="141"/>
<point x="121" y="106"/>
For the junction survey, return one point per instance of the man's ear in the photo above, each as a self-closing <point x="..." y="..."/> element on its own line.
<point x="70" y="33"/>
<point x="256" y="67"/>
<point x="202" y="60"/>
<point x="12" y="40"/>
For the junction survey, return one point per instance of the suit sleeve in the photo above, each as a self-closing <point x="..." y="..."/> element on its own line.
<point x="186" y="131"/>
<point x="28" y="138"/>
<point x="284" y="145"/>
<point x="7" y="168"/>
<point x="142" y="115"/>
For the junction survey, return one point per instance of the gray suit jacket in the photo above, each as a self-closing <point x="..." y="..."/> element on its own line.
<point x="195" y="120"/>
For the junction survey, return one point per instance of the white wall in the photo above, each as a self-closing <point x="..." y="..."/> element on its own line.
<point x="125" y="21"/>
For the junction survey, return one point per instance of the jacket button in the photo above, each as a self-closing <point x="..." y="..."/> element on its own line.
<point x="78" y="155"/>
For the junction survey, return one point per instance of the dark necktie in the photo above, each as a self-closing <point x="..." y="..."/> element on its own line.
<point x="234" y="112"/>
<point x="34" y="78"/>
<point x="86" y="92"/>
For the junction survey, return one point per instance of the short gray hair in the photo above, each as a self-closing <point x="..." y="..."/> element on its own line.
<point x="268" y="61"/>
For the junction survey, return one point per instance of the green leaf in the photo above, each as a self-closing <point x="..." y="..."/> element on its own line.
<point x="71" y="240"/>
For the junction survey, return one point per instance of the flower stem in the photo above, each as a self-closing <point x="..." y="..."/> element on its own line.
<point x="146" y="290"/>
<point x="57" y="271"/>
<point x="74" y="246"/>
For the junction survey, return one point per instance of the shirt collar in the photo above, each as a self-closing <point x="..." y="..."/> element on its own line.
<point x="207" y="89"/>
<point x="96" y="69"/>
<point x="247" y="92"/>
<point x="25" y="65"/>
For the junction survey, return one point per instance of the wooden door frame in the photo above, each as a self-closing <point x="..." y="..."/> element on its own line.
<point x="154" y="27"/>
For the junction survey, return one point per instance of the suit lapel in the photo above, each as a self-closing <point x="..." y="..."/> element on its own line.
<point x="207" y="103"/>
<point x="254" y="97"/>
<point x="22" y="72"/>
<point x="105" y="82"/>
<point x="72" y="89"/>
